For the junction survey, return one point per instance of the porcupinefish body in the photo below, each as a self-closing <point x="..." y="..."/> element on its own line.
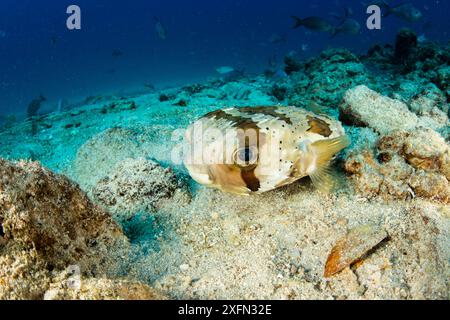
<point x="256" y="149"/>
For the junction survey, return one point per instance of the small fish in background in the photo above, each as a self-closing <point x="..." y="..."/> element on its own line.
<point x="405" y="11"/>
<point x="2" y="34"/>
<point x="54" y="40"/>
<point x="422" y="38"/>
<point x="230" y="74"/>
<point x="289" y="143"/>
<point x="161" y="31"/>
<point x="278" y="39"/>
<point x="117" y="53"/>
<point x="304" y="47"/>
<point x="225" y="70"/>
<point x="313" y="23"/>
<point x="348" y="26"/>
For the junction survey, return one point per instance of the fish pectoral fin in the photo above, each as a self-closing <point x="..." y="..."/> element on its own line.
<point x="240" y="191"/>
<point x="323" y="177"/>
<point x="326" y="149"/>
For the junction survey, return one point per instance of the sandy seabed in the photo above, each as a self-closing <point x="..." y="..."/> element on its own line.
<point x="186" y="241"/>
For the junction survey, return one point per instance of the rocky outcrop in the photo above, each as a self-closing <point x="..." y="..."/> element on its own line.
<point x="47" y="225"/>
<point x="65" y="287"/>
<point x="366" y="108"/>
<point x="404" y="165"/>
<point x="136" y="185"/>
<point x="100" y="154"/>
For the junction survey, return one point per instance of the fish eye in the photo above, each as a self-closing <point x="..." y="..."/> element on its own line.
<point x="246" y="156"/>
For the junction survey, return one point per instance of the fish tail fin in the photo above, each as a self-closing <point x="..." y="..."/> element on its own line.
<point x="323" y="177"/>
<point x="298" y="22"/>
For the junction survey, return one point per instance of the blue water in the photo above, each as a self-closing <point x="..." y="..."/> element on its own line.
<point x="202" y="35"/>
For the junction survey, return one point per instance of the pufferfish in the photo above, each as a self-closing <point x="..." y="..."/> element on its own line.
<point x="245" y="150"/>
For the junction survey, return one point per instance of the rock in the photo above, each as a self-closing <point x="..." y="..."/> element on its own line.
<point x="47" y="224"/>
<point x="408" y="164"/>
<point x="325" y="79"/>
<point x="45" y="211"/>
<point x="443" y="76"/>
<point x="23" y="274"/>
<point x="426" y="149"/>
<point x="99" y="289"/>
<point x="291" y="64"/>
<point x="96" y="158"/>
<point x="135" y="185"/>
<point x="364" y="107"/>
<point x="405" y="45"/>
<point x="430" y="185"/>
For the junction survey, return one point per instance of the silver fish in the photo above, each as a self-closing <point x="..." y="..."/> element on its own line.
<point x="225" y="69"/>
<point x="256" y="149"/>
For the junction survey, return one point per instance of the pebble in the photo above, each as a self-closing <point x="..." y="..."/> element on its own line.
<point x="184" y="267"/>
<point x="215" y="215"/>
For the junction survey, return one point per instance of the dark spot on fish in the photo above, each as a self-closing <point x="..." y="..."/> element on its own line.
<point x="250" y="179"/>
<point x="238" y="121"/>
<point x="319" y="126"/>
<point x="268" y="111"/>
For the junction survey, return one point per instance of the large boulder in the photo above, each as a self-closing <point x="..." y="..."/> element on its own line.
<point x="364" y="107"/>
<point x="48" y="226"/>
<point x="47" y="212"/>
